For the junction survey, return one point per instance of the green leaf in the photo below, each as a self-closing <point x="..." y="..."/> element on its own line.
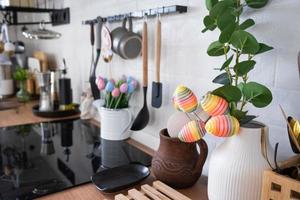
<point x="256" y="3"/>
<point x="216" y="49"/>
<point x="244" y="67"/>
<point x="263" y="48"/>
<point x="227" y="32"/>
<point x="247" y="119"/>
<point x="238" y="114"/>
<point x="241" y="86"/>
<point x="246" y="24"/>
<point x="259" y="95"/>
<point x="244" y="41"/>
<point x="229" y="92"/>
<point x="210" y="3"/>
<point x="238" y="10"/>
<point x="227" y="62"/>
<point x="209" y="24"/>
<point x="222" y="79"/>
<point x="219" y="8"/>
<point x="225" y="19"/>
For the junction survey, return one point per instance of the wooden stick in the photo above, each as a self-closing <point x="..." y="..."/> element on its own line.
<point x="145" y="54"/>
<point x="121" y="197"/>
<point x="137" y="195"/>
<point x="169" y="191"/>
<point x="153" y="193"/>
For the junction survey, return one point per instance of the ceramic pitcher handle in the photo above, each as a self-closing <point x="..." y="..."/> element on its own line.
<point x="129" y="121"/>
<point x="202" y="157"/>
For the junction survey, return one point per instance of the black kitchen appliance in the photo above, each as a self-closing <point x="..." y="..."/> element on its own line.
<point x="76" y="152"/>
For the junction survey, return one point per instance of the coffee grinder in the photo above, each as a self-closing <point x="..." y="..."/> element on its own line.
<point x="44" y="81"/>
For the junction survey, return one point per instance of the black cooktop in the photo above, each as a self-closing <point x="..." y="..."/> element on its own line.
<point x="40" y="159"/>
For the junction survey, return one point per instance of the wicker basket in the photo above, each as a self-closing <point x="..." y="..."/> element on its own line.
<point x="279" y="187"/>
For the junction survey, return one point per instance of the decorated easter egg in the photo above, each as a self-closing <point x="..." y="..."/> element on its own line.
<point x="185" y="99"/>
<point x="175" y="105"/>
<point x="222" y="126"/>
<point x="192" y="131"/>
<point x="214" y="105"/>
<point x="175" y="123"/>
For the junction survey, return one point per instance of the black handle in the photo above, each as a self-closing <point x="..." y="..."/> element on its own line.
<point x="92" y="36"/>
<point x="98" y="33"/>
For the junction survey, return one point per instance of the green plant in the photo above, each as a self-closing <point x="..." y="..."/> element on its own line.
<point x="20" y="74"/>
<point x="239" y="47"/>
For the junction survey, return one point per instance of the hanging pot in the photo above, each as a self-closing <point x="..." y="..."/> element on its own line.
<point x="236" y="166"/>
<point x="126" y="43"/>
<point x="40" y="34"/>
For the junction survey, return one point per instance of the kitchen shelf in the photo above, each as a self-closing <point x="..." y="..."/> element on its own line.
<point x="58" y="16"/>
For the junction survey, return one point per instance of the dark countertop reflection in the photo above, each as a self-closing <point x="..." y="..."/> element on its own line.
<point x="44" y="158"/>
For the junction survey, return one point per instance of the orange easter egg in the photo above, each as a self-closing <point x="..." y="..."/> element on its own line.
<point x="185" y="99"/>
<point x="222" y="126"/>
<point x="214" y="105"/>
<point x="192" y="131"/>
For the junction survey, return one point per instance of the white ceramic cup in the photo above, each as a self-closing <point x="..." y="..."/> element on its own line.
<point x="6" y="87"/>
<point x="115" y="123"/>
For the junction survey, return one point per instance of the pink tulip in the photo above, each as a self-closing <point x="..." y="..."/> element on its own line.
<point x="116" y="92"/>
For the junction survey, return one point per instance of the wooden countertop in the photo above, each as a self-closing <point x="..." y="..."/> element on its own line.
<point x="90" y="192"/>
<point x="23" y="115"/>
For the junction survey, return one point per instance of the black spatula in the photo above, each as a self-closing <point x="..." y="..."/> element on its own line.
<point x="157" y="85"/>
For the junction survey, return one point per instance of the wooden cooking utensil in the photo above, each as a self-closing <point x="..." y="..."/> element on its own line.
<point x="142" y="118"/>
<point x="157" y="85"/>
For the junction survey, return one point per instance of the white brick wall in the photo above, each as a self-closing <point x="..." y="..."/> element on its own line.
<point x="184" y="58"/>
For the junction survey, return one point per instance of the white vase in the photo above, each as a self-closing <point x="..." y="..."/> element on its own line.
<point x="115" y="123"/>
<point x="236" y="166"/>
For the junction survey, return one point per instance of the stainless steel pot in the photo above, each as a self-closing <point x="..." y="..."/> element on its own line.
<point x="125" y="42"/>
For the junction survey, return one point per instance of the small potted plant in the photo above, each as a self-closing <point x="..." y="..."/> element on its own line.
<point x="21" y="75"/>
<point x="116" y="117"/>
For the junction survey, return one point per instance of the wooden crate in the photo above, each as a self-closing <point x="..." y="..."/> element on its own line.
<point x="279" y="187"/>
<point x="159" y="191"/>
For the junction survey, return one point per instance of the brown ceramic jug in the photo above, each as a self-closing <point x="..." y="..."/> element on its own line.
<point x="176" y="163"/>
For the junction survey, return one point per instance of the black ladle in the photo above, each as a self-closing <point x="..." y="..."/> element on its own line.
<point x="142" y="118"/>
<point x="95" y="91"/>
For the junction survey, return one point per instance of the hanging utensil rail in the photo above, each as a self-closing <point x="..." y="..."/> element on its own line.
<point x="140" y="14"/>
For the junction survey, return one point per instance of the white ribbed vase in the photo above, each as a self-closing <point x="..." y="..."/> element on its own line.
<point x="236" y="166"/>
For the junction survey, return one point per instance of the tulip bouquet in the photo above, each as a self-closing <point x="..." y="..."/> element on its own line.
<point x="117" y="94"/>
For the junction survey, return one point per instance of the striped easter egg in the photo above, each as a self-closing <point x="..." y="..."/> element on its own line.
<point x="214" y="105"/>
<point x="175" y="105"/>
<point x="192" y="131"/>
<point x="222" y="126"/>
<point x="185" y="99"/>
